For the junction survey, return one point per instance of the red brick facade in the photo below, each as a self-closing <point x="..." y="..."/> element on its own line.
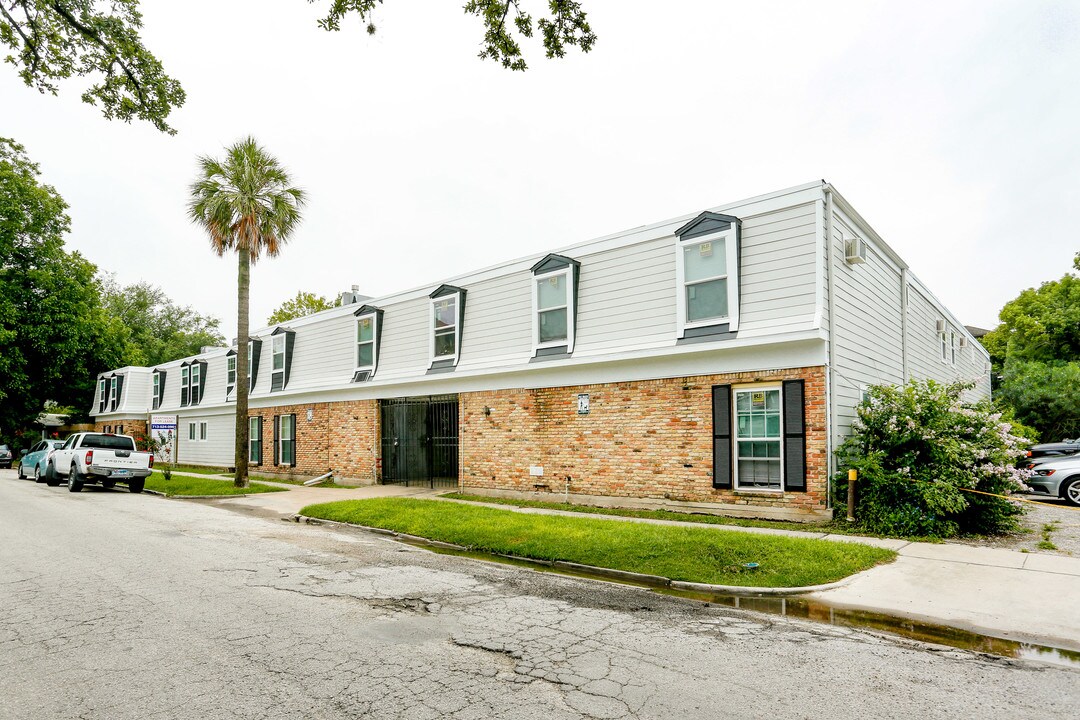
<point x="339" y="437"/>
<point x="134" y="428"/>
<point x="646" y="439"/>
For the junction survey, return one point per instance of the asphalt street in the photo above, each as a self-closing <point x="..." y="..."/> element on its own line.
<point x="120" y="606"/>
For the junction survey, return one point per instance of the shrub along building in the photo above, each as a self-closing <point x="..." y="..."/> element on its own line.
<point x="709" y="363"/>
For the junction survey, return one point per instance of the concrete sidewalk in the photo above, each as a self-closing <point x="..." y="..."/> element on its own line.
<point x="1028" y="597"/>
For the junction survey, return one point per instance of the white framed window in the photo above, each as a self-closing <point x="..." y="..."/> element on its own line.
<point x="707" y="275"/>
<point x="758" y="438"/>
<point x="156" y="400"/>
<point x="277" y="368"/>
<point x="943" y="341"/>
<point x="191" y="431"/>
<point x="185" y="379"/>
<point x="196" y="383"/>
<point x="952" y="347"/>
<point x="255" y="440"/>
<point x="444" y="328"/>
<point x="230" y="374"/>
<point x="112" y="394"/>
<point x="366" y="337"/>
<point x="286" y="440"/>
<point x="203" y="430"/>
<point x="101" y="392"/>
<point x="553" y="309"/>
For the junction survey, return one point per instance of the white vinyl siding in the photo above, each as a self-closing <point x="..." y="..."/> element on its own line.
<point x="214" y="439"/>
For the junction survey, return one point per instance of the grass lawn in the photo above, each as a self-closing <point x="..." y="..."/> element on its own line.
<point x="295" y="481"/>
<point x="681" y="553"/>
<point x="184" y="485"/>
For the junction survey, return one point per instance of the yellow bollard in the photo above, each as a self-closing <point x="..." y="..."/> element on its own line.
<point x="852" y="476"/>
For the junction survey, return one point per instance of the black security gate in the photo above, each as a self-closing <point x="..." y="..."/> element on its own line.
<point x="420" y="440"/>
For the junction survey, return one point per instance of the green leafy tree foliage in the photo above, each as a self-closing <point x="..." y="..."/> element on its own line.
<point x="53" y="40"/>
<point x="247" y="204"/>
<point x="917" y="448"/>
<point x="1035" y="351"/>
<point x="305" y="303"/>
<point x="55" y="334"/>
<point x="159" y="329"/>
<point x="566" y="24"/>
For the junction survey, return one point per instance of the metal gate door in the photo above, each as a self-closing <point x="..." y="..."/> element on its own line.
<point x="420" y="440"/>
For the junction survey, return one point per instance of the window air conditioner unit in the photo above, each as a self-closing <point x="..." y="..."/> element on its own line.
<point x="963" y="342"/>
<point x="941" y="326"/>
<point x="855" y="250"/>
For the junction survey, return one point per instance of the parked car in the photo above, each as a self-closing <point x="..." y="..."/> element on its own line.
<point x="105" y="458"/>
<point x="36" y="459"/>
<point x="1055" y="449"/>
<point x="1059" y="477"/>
<point x="5" y="456"/>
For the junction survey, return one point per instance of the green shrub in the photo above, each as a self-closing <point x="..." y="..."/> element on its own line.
<point x="917" y="448"/>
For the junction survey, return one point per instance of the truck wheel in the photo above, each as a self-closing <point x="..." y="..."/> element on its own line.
<point x="136" y="486"/>
<point x="50" y="476"/>
<point x="73" y="483"/>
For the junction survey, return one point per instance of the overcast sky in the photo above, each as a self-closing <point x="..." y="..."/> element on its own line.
<point x="951" y="126"/>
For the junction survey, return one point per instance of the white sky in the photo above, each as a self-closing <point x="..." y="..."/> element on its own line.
<point x="951" y="126"/>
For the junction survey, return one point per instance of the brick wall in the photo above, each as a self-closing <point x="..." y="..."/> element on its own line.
<point x="647" y="439"/>
<point x="134" y="428"/>
<point x="339" y="437"/>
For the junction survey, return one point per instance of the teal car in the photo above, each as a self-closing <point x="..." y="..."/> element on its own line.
<point x="35" y="461"/>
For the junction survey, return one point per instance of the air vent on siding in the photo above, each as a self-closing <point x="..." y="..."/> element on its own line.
<point x="855" y="251"/>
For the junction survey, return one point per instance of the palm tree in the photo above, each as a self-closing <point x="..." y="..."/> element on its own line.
<point x="246" y="203"/>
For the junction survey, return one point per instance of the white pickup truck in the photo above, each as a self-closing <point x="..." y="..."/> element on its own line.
<point x="88" y="458"/>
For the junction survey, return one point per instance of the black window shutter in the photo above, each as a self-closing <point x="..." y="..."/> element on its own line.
<point x="794" y="436"/>
<point x="277" y="436"/>
<point x="104" y="395"/>
<point x="721" y="412"/>
<point x="290" y="342"/>
<point x="119" y="390"/>
<point x="292" y="443"/>
<point x="202" y="379"/>
<point x="256" y="350"/>
<point x="161" y="387"/>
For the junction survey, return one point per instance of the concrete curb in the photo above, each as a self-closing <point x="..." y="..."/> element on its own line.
<point x="623" y="575"/>
<point x="191" y="497"/>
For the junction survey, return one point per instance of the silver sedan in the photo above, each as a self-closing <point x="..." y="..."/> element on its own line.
<point x="1058" y="478"/>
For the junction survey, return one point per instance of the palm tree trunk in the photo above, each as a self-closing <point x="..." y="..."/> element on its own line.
<point x="243" y="280"/>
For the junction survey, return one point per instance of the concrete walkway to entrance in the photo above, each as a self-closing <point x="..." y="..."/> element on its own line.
<point x="1028" y="597"/>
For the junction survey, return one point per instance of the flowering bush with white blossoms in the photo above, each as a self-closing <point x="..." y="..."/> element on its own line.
<point x="915" y="446"/>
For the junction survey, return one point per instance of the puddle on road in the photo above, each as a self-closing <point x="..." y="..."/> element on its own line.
<point x="814" y="610"/>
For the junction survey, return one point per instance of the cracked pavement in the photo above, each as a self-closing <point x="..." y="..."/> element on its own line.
<point x="120" y="606"/>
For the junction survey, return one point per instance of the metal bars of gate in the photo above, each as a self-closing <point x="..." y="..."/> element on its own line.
<point x="420" y="440"/>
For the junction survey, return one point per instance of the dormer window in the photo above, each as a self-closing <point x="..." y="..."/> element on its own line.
<point x="185" y="381"/>
<point x="706" y="264"/>
<point x="447" y="315"/>
<point x="155" y="400"/>
<point x="281" y="349"/>
<point x="112" y="393"/>
<point x="277" y="373"/>
<point x="554" y="305"/>
<point x="230" y="375"/>
<point x="365" y="342"/>
<point x="101" y="394"/>
<point x="195" y="393"/>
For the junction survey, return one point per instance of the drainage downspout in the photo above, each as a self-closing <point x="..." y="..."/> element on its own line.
<point x="904" y="325"/>
<point x="830" y="377"/>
